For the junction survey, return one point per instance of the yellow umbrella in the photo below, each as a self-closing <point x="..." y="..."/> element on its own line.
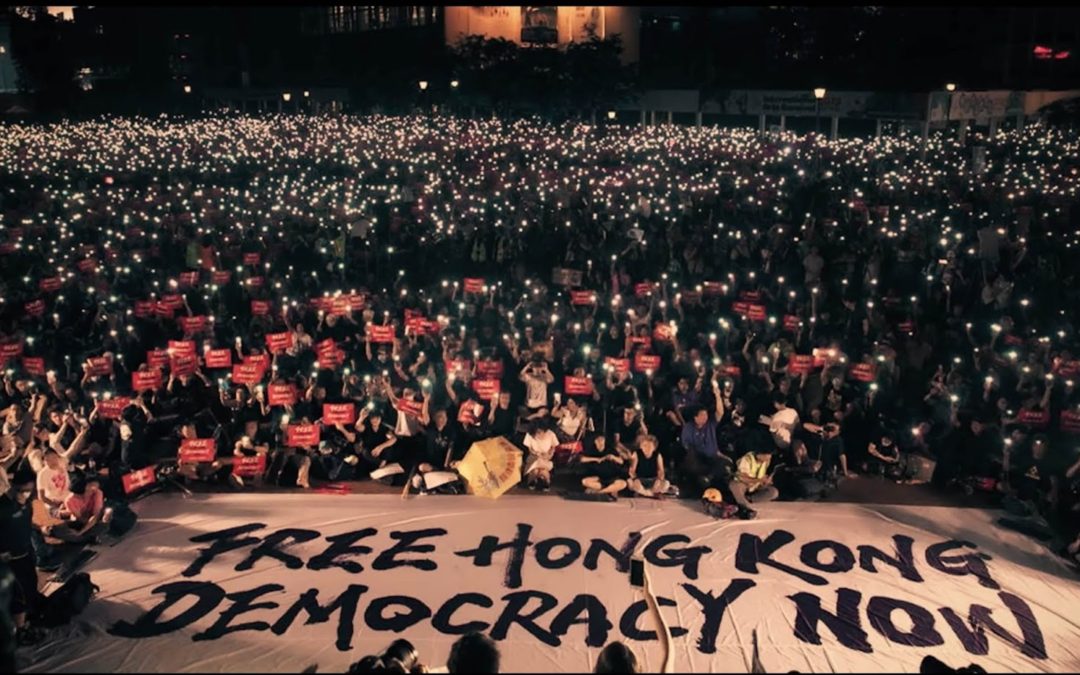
<point x="491" y="467"/>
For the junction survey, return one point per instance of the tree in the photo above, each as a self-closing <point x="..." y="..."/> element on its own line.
<point x="42" y="49"/>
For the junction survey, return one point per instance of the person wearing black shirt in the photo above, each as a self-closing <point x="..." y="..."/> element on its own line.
<point x="17" y="550"/>
<point x="603" y="468"/>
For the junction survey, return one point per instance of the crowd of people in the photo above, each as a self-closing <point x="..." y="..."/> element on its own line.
<point x="643" y="310"/>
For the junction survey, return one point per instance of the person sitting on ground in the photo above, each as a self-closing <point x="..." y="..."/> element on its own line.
<point x="647" y="470"/>
<point x="604" y="469"/>
<point x="541" y="442"/>
<point x="752" y="482"/>
<point x="473" y="653"/>
<point x="798" y="477"/>
<point x="616" y="657"/>
<point x="782" y="423"/>
<point x="884" y="458"/>
<point x="85" y="509"/>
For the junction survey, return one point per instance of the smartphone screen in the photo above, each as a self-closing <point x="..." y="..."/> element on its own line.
<point x="637" y="573"/>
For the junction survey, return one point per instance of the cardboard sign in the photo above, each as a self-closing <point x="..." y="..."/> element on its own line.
<point x="249" y="467"/>
<point x="260" y="307"/>
<point x="192" y="325"/>
<point x="146" y="380"/>
<point x="252" y="258"/>
<point x="487" y="390"/>
<point x="756" y="312"/>
<point x="144" y="309"/>
<point x="582" y="297"/>
<point x="473" y="285"/>
<point x="194" y="450"/>
<point x="137" y="480"/>
<point x="1035" y="418"/>
<point x="100" y="366"/>
<point x="302" y="435"/>
<point x="247" y="373"/>
<point x="34" y="308"/>
<point x="338" y="413"/>
<point x="1070" y="422"/>
<point x="277" y="343"/>
<point x="489" y="369"/>
<point x="281" y="394"/>
<point x="218" y="358"/>
<point x="644" y="362"/>
<point x="183" y="365"/>
<point x="381" y="334"/>
<point x="792" y="323"/>
<point x="862" y="372"/>
<point x="157" y="358"/>
<point x="50" y="285"/>
<point x="577" y="386"/>
<point x="618" y="365"/>
<point x="113" y="408"/>
<point x="800" y="364"/>
<point x="410" y="408"/>
<point x="181" y="348"/>
<point x="469" y="412"/>
<point x="34" y="365"/>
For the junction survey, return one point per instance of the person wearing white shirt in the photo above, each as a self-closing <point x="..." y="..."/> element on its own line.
<point x="782" y="423"/>
<point x="541" y="442"/>
<point x="536" y="377"/>
<point x="53" y="482"/>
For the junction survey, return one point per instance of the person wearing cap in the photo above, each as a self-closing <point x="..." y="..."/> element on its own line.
<point x="752" y="482"/>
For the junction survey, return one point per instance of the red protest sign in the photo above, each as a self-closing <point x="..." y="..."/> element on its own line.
<point x="618" y="365"/>
<point x="193" y="325"/>
<point x="415" y="325"/>
<point x="791" y="322"/>
<point x="732" y="371"/>
<point x="1035" y="418"/>
<point x="113" y="408"/>
<point x="188" y="279"/>
<point x="643" y="340"/>
<point x="409" y="407"/>
<point x="327" y="346"/>
<point x="750" y="296"/>
<point x="247" y="373"/>
<point x="277" y="343"/>
<point x="338" y="413"/>
<point x="489" y="369"/>
<point x="34" y="365"/>
<point x="100" y="366"/>
<point x="183" y="365"/>
<point x="469" y="412"/>
<point x="157" y="358"/>
<point x="1069" y="368"/>
<point x="181" y="348"/>
<point x="331" y="360"/>
<point x="218" y="358"/>
<point x="196" y="450"/>
<point x="136" y="480"/>
<point x="740" y="308"/>
<point x="50" y="284"/>
<point x="220" y="277"/>
<point x="577" y="386"/>
<point x="357" y="301"/>
<point x="87" y="266"/>
<point x="281" y="394"/>
<point x="255" y="282"/>
<point x="146" y="380"/>
<point x="583" y="297"/>
<point x="381" y="334"/>
<point x="10" y="350"/>
<point x="863" y="372"/>
<point x="800" y="364"/>
<point x="663" y="332"/>
<point x="34" y="308"/>
<point x="174" y="301"/>
<point x="163" y="309"/>
<point x="712" y="288"/>
<point x="643" y="289"/>
<point x="486" y="389"/>
<point x="144" y="309"/>
<point x="252" y="258"/>
<point x="302" y="435"/>
<point x="413" y="314"/>
<point x="644" y="362"/>
<point x="249" y="467"/>
<point x="260" y="360"/>
<point x="756" y="312"/>
<point x="1070" y="422"/>
<point x="260" y="307"/>
<point x="906" y="327"/>
<point x="473" y="285"/>
<point x="457" y="366"/>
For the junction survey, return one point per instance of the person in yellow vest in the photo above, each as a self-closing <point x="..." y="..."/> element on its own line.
<point x="753" y="482"/>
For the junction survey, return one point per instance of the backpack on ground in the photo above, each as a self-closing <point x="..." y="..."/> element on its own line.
<point x="69" y="600"/>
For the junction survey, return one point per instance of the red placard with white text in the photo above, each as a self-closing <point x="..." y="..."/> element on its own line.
<point x="113" y="408"/>
<point x="302" y="435"/>
<point x="218" y="358"/>
<point x="250" y="467"/>
<point x="277" y="343"/>
<point x="582" y="297"/>
<point x="618" y="365"/>
<point x="157" y="358"/>
<point x="281" y="394"/>
<point x="100" y="366"/>
<point x="181" y="348"/>
<point x="196" y="450"/>
<point x="473" y="285"/>
<point x="339" y="413"/>
<point x="146" y="380"/>
<point x="577" y="386"/>
<point x="381" y="334"/>
<point x="247" y="373"/>
<point x="136" y="480"/>
<point x="486" y="389"/>
<point x="34" y="365"/>
<point x="644" y="362"/>
<point x="183" y="365"/>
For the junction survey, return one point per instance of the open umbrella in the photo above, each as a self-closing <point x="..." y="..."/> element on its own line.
<point x="491" y="467"/>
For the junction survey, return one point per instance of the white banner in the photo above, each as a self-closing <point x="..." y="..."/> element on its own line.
<point x="261" y="583"/>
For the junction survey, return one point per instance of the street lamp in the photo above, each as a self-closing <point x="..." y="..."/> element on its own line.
<point x="307" y="94"/>
<point x="423" y="85"/>
<point x="187" y="88"/>
<point x="819" y="93"/>
<point x="611" y="114"/>
<point x="286" y="97"/>
<point x="453" y="84"/>
<point x="950" y="87"/>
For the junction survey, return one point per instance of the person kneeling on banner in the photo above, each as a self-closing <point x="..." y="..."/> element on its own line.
<point x="647" y="470"/>
<point x="753" y="482"/>
<point x="85" y="511"/>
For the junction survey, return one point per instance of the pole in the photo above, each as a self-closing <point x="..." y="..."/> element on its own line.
<point x="835" y="127"/>
<point x="877" y="129"/>
<point x="817" y="115"/>
<point x="783" y="122"/>
<point x="761" y="124"/>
